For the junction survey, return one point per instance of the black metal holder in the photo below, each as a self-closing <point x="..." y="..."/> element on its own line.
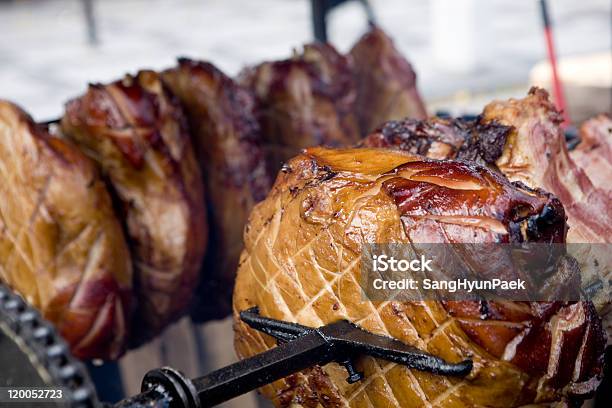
<point x="320" y="9"/>
<point x="299" y="347"/>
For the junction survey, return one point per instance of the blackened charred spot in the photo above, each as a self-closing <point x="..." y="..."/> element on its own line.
<point x="471" y="140"/>
<point x="286" y="168"/>
<point x="321" y="173"/>
<point x="485" y="312"/>
<point x="484" y="142"/>
<point x="521" y="211"/>
<point x="407" y="135"/>
<point x="328" y="176"/>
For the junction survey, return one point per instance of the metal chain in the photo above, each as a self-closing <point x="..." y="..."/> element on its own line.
<point x="48" y="349"/>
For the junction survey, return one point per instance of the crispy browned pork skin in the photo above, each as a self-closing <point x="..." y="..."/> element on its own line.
<point x="522" y="139"/>
<point x="439" y="138"/>
<point x="532" y="151"/>
<point x="228" y="138"/>
<point x="536" y="154"/>
<point x="135" y="130"/>
<point x="594" y="152"/>
<point x="301" y="263"/>
<point x="307" y="100"/>
<point x="61" y="246"/>
<point x="386" y="82"/>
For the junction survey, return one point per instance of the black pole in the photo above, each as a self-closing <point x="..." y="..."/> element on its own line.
<point x="319" y="19"/>
<point x="90" y="21"/>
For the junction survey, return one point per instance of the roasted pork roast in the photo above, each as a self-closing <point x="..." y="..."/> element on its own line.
<point x="61" y="246"/>
<point x="385" y="81"/>
<point x="137" y="133"/>
<point x="522" y="139"/>
<point x="228" y="141"/>
<point x="594" y="152"/>
<point x="536" y="154"/>
<point x="301" y="263"/>
<point x="307" y="100"/>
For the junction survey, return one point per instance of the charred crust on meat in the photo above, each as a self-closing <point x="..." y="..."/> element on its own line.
<point x="471" y="140"/>
<point x="286" y="168"/>
<point x="484" y="142"/>
<point x="132" y="127"/>
<point x="326" y="173"/>
<point x="307" y="100"/>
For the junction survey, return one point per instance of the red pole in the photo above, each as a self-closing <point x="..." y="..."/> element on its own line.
<point x="558" y="94"/>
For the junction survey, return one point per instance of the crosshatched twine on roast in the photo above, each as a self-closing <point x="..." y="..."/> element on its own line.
<point x="302" y="263"/>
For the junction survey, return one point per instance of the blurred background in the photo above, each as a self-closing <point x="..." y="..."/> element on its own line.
<point x="465" y="53"/>
<point x="50" y="49"/>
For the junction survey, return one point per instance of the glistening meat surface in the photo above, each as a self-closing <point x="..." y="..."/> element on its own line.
<point x="594" y="152"/>
<point x="61" y="246"/>
<point x="302" y="263"/>
<point x="228" y="140"/>
<point x="522" y="139"/>
<point x="136" y="131"/>
<point x="307" y="100"/>
<point x="536" y="154"/>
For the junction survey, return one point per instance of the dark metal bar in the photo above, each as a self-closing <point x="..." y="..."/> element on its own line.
<point x="264" y="368"/>
<point x="319" y="20"/>
<point x="320" y="10"/>
<point x="283" y="331"/>
<point x="361" y="342"/>
<point x="90" y="21"/>
<point x="299" y="347"/>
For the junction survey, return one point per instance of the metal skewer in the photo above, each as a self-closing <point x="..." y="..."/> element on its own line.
<point x="299" y="347"/>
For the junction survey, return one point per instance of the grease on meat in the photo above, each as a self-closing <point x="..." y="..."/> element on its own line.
<point x="228" y="141"/>
<point x="307" y="100"/>
<point x="61" y="246"/>
<point x="301" y="263"/>
<point x="136" y="131"/>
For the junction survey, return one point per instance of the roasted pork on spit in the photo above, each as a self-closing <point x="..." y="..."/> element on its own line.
<point x="228" y="139"/>
<point x="385" y="81"/>
<point x="533" y="151"/>
<point x="301" y="263"/>
<point x="61" y="246"/>
<point x="522" y="139"/>
<point x="594" y="152"/>
<point x="308" y="100"/>
<point x="536" y="154"/>
<point x="136" y="131"/>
